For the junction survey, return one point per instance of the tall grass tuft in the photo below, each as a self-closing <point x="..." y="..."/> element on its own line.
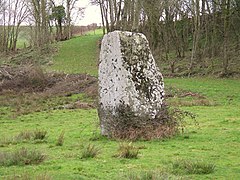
<point x="22" y="156"/>
<point x="90" y="151"/>
<point x="127" y="150"/>
<point x="193" y="167"/>
<point x="24" y="136"/>
<point x="60" y="139"/>
<point x="4" y="141"/>
<point x="39" y="134"/>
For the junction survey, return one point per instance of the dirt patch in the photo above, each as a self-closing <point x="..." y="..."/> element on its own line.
<point x="74" y="84"/>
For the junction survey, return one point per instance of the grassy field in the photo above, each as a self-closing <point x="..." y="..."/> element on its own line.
<point x="209" y="150"/>
<point x="78" y="54"/>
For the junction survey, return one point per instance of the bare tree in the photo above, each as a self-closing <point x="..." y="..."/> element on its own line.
<point x="40" y="12"/>
<point x="12" y="13"/>
<point x="111" y="13"/>
<point x="196" y="32"/>
<point x="70" y="6"/>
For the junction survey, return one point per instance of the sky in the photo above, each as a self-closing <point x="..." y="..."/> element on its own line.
<point x="92" y="13"/>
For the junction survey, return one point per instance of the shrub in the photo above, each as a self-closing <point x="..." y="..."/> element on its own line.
<point x="90" y="151"/>
<point x="127" y="150"/>
<point x="168" y="122"/>
<point x="193" y="167"/>
<point x="36" y="77"/>
<point x="60" y="139"/>
<point x="21" y="156"/>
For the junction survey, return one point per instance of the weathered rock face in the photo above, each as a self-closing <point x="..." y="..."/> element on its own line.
<point x="129" y="80"/>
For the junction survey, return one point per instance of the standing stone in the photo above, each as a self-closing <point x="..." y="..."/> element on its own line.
<point x="130" y="83"/>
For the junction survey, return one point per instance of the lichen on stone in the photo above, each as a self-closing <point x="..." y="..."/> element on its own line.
<point x="129" y="78"/>
<point x="138" y="60"/>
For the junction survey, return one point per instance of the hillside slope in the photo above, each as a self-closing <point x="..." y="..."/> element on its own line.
<point x="78" y="55"/>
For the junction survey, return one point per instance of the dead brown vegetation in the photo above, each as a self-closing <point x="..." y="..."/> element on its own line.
<point x="27" y="88"/>
<point x="169" y="122"/>
<point x="30" y="78"/>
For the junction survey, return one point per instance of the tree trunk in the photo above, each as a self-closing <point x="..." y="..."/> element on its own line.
<point x="226" y="10"/>
<point x="68" y="12"/>
<point x="196" y="34"/>
<point x="102" y="15"/>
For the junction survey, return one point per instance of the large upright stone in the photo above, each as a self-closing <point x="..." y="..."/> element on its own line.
<point x="129" y="80"/>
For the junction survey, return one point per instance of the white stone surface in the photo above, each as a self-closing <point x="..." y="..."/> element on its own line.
<point x="128" y="76"/>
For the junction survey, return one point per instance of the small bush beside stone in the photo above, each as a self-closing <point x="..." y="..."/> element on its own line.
<point x="169" y="122"/>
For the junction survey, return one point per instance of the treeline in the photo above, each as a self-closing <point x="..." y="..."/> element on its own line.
<point x="47" y="20"/>
<point x="81" y="30"/>
<point x="204" y="32"/>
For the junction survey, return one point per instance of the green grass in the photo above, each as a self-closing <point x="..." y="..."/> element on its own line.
<point x="222" y="91"/>
<point x="215" y="141"/>
<point x="21" y="43"/>
<point x="78" y="55"/>
<point x="23" y="37"/>
<point x="218" y="129"/>
<point x="193" y="167"/>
